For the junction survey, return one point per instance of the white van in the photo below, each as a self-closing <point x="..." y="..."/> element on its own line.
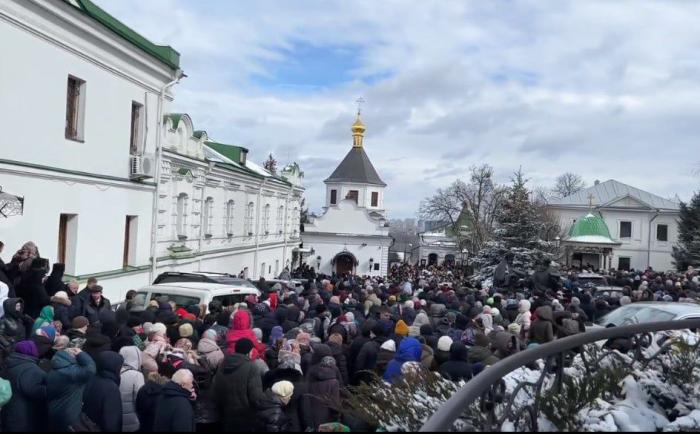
<point x="193" y="293"/>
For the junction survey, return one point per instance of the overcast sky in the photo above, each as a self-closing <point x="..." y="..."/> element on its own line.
<point x="606" y="89"/>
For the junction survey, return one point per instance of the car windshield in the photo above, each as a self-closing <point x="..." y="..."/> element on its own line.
<point x="180" y="300"/>
<point x="634" y="314"/>
<point x="235" y="282"/>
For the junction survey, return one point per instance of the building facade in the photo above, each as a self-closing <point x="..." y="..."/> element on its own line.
<point x="352" y="236"/>
<point x="86" y="98"/>
<point x="614" y="225"/>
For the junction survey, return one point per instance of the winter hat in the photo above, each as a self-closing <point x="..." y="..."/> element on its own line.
<point x="514" y="328"/>
<point x="79" y="322"/>
<point x="147" y="328"/>
<point x="575" y="301"/>
<point x="158" y="328"/>
<point x="28" y="348"/>
<point x="444" y="343"/>
<point x="328" y="362"/>
<point x="61" y="297"/>
<point x="47" y="332"/>
<point x="335" y="300"/>
<point x="304" y="339"/>
<point x="185" y="330"/>
<point x="244" y="346"/>
<point x="258" y="334"/>
<point x="336" y="338"/>
<point x="283" y="389"/>
<point x="276" y="333"/>
<point x="389" y="345"/>
<point x="495" y="312"/>
<point x="401" y="329"/>
<point x="409" y="305"/>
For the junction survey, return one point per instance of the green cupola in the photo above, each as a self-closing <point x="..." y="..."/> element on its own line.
<point x="590" y="229"/>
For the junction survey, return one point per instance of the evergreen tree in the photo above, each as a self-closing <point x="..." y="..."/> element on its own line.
<point x="687" y="252"/>
<point x="518" y="218"/>
<point x="271" y="165"/>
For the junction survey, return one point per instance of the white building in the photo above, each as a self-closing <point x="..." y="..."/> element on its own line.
<point x="613" y="225"/>
<point x="82" y="104"/>
<point x="352" y="236"/>
<point x="438" y="247"/>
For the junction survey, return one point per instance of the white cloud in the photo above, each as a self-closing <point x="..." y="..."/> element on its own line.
<point x="605" y="89"/>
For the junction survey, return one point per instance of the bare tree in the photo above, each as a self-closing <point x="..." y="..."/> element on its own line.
<point x="568" y="184"/>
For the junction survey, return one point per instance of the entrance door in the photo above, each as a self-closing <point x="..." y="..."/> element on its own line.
<point x="432" y="259"/>
<point x="344" y="264"/>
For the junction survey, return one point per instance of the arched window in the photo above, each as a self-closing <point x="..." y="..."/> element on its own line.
<point x="249" y="219"/>
<point x="295" y="222"/>
<point x="266" y="219"/>
<point x="280" y="220"/>
<point x="229" y="217"/>
<point x="181" y="223"/>
<point x="208" y="216"/>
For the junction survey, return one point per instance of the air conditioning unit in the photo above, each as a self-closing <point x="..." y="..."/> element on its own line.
<point x="142" y="166"/>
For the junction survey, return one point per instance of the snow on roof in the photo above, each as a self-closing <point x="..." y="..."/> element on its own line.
<point x="610" y="191"/>
<point x="257" y="168"/>
<point x="592" y="239"/>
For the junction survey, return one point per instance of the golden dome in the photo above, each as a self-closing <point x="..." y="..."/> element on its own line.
<point x="358" y="130"/>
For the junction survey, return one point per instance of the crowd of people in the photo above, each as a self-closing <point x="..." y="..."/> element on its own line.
<point x="279" y="362"/>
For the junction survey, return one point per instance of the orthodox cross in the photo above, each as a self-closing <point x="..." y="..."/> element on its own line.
<point x="359" y="102"/>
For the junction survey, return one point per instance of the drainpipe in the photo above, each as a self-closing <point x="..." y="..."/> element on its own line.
<point x="159" y="156"/>
<point x="658" y="212"/>
<point x="257" y="228"/>
<point x="210" y="167"/>
<point x="284" y="231"/>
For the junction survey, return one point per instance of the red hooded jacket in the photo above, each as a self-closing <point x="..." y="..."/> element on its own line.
<point x="242" y="329"/>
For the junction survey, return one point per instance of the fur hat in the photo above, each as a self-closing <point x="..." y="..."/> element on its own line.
<point x="158" y="328"/>
<point x="185" y="330"/>
<point x="61" y="297"/>
<point x="283" y="389"/>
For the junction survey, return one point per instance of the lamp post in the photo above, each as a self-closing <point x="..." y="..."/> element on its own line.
<point x="10" y="205"/>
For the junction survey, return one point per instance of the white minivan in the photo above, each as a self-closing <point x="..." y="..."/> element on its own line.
<point x="192" y="293"/>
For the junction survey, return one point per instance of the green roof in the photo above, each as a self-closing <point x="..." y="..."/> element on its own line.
<point x="175" y="117"/>
<point x="590" y="229"/>
<point x="164" y="53"/>
<point x="231" y="152"/>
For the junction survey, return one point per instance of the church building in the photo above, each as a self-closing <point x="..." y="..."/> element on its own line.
<point x="352" y="236"/>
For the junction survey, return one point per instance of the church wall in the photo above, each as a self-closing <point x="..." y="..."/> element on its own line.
<point x="328" y="246"/>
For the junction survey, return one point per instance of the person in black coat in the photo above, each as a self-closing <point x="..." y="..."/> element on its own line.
<point x="31" y="288"/>
<point x="174" y="412"/>
<point x="15" y="325"/>
<point x="270" y="411"/>
<point x="294" y="409"/>
<point x="147" y="400"/>
<point x="457" y="368"/>
<point x="97" y="305"/>
<point x="26" y="411"/>
<point x="356" y="347"/>
<point x="102" y="401"/>
<point x="54" y="283"/>
<point x="62" y="309"/>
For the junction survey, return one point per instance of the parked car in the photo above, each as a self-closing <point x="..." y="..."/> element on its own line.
<point x="192" y="293"/>
<point x="645" y="312"/>
<point x="202" y="276"/>
<point x="598" y="284"/>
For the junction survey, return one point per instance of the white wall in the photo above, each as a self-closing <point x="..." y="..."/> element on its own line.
<point x="327" y="247"/>
<point x="365" y="191"/>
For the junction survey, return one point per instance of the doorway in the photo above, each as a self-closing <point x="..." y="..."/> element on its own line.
<point x="344" y="264"/>
<point x="432" y="259"/>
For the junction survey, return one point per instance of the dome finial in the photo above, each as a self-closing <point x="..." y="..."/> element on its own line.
<point x="358" y="128"/>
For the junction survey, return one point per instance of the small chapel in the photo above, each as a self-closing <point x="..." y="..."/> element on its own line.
<point x="352" y="235"/>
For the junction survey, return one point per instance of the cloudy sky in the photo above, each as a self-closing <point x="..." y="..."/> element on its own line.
<point x="601" y="88"/>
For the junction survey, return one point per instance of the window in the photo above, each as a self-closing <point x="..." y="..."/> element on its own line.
<point x="662" y="233"/>
<point x="334" y="197"/>
<point x="262" y="269"/>
<point x="136" y="128"/>
<point x="75" y="109"/>
<point x="625" y="229"/>
<point x="67" y="241"/>
<point x="624" y="264"/>
<point x="295" y="222"/>
<point x="353" y="195"/>
<point x="376" y="267"/>
<point x="277" y="267"/>
<point x="130" y="232"/>
<point x="208" y="216"/>
<point x="249" y="219"/>
<point x="266" y="219"/>
<point x="229" y="217"/>
<point x="375" y="198"/>
<point x="280" y="220"/>
<point x="181" y="221"/>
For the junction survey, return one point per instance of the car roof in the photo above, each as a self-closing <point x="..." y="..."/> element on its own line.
<point x="190" y="287"/>
<point x="589" y="275"/>
<point x="675" y="308"/>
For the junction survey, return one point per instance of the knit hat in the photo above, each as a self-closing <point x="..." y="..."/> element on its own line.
<point x="48" y="332"/>
<point x="61" y="297"/>
<point x="244" y="346"/>
<point x="28" y="348"/>
<point x="79" y="322"/>
<point x="392" y="298"/>
<point x="514" y="328"/>
<point x="389" y="345"/>
<point x="401" y="329"/>
<point x="283" y="389"/>
<point x="336" y="338"/>
<point x="185" y="330"/>
<point x="158" y="328"/>
<point x="409" y="304"/>
<point x="328" y="362"/>
<point x="444" y="343"/>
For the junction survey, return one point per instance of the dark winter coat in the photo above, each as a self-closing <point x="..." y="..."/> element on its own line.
<point x="542" y="329"/>
<point x="354" y="351"/>
<point x="62" y="312"/>
<point x="93" y="311"/>
<point x="237" y="390"/>
<point x="367" y="358"/>
<point x="146" y="404"/>
<point x="102" y="401"/>
<point x="174" y="412"/>
<point x="27" y="409"/>
<point x="458" y="367"/>
<point x="323" y="381"/>
<point x="295" y="409"/>
<point x="54" y="282"/>
<point x="479" y="354"/>
<point x="15" y="325"/>
<point x="338" y="353"/>
<point x="65" y="384"/>
<point x="270" y="414"/>
<point x="32" y="290"/>
<point x="383" y="359"/>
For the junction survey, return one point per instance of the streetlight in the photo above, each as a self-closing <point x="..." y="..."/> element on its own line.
<point x="10" y="205"/>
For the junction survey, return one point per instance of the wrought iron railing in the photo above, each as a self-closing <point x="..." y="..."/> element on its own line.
<point x="485" y="404"/>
